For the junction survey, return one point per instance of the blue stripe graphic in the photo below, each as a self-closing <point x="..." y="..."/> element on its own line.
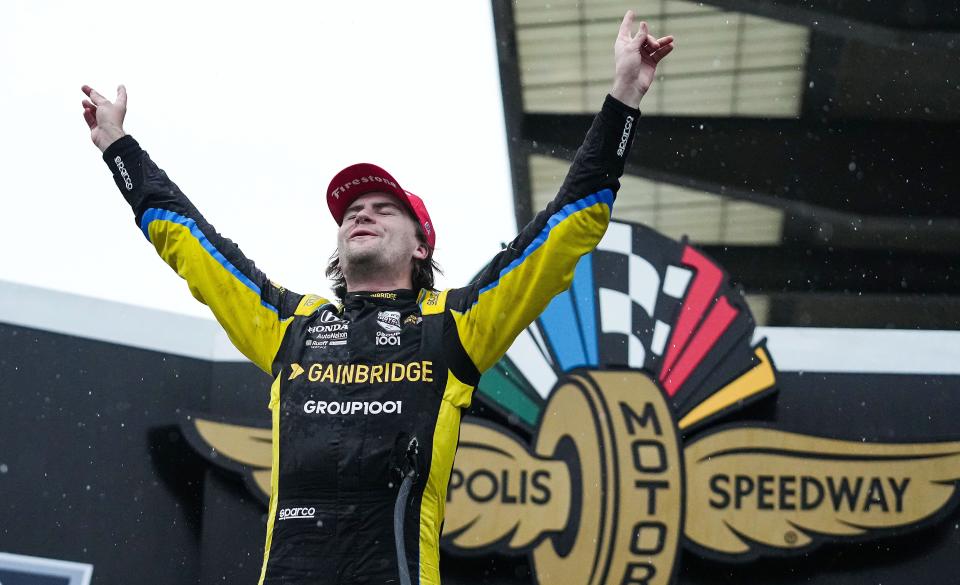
<point x="573" y="310"/>
<point x="584" y="299"/>
<point x="154" y="214"/>
<point x="560" y="325"/>
<point x="604" y="196"/>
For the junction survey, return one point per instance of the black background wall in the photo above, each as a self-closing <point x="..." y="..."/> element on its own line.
<point x="97" y="471"/>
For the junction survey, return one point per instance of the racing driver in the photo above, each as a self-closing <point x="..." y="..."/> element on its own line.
<point x="368" y="390"/>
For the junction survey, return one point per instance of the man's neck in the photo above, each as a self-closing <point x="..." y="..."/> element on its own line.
<point x="374" y="284"/>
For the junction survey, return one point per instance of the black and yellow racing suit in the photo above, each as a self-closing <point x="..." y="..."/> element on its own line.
<point x="368" y="393"/>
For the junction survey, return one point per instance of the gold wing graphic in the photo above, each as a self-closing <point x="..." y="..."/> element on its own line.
<point x="759" y="486"/>
<point x="501" y="496"/>
<point x="245" y="449"/>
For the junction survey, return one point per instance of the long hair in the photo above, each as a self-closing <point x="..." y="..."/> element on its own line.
<point x="421" y="274"/>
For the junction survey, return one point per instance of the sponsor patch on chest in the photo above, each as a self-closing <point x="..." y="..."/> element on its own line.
<point x="332" y="330"/>
<point x="389" y="328"/>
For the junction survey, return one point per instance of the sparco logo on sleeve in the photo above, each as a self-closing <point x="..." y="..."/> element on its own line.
<point x="626" y="136"/>
<point x="127" y="181"/>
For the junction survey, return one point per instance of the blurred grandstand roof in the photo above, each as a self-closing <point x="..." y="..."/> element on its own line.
<point x="807" y="146"/>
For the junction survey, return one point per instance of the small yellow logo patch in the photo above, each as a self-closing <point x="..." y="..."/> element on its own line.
<point x="296" y="370"/>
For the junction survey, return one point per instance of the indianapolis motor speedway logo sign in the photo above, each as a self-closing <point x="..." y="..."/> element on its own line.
<point x="618" y="383"/>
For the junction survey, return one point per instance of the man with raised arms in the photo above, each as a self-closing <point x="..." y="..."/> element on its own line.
<point x="359" y="497"/>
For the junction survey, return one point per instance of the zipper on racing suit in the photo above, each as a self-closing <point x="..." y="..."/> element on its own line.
<point x="408" y="470"/>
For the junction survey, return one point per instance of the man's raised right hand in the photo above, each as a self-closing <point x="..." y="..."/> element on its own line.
<point x="105" y="118"/>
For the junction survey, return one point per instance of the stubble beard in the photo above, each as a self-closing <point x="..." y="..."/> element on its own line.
<point x="365" y="264"/>
<point x="362" y="264"/>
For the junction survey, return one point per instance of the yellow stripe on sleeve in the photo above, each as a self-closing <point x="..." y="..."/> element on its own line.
<point x="252" y="327"/>
<point x="274" y="473"/>
<point x="446" y="434"/>
<point x="502" y="311"/>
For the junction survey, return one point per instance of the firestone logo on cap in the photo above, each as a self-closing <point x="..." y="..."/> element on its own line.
<point x="361" y="178"/>
<point x="360" y="181"/>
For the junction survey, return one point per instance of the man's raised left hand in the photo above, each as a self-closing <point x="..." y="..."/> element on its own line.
<point x="636" y="57"/>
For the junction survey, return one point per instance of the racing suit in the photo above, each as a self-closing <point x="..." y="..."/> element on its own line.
<point x="367" y="394"/>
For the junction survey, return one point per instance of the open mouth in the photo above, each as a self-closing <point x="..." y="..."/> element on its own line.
<point x="360" y="233"/>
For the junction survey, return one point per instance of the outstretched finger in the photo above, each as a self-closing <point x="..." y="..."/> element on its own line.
<point x="651" y="43"/>
<point x="122" y="96"/>
<point x="627" y="24"/>
<point x="90" y="117"/>
<point x="644" y="31"/>
<point x="661" y="53"/>
<point x="95" y="97"/>
<point x="87" y="104"/>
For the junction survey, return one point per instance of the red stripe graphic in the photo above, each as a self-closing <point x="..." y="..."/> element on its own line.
<point x="720" y="317"/>
<point x="702" y="290"/>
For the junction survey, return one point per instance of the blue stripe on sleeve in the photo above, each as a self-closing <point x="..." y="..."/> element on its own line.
<point x="154" y="214"/>
<point x="604" y="196"/>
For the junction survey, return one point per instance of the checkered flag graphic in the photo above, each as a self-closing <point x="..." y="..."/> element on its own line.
<point x="640" y="288"/>
<point x="640" y="301"/>
<point x="666" y="308"/>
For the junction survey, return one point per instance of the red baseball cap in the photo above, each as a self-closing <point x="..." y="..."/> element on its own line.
<point x="362" y="178"/>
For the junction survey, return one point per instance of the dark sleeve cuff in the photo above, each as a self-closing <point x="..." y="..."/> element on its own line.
<point x="122" y="147"/>
<point x="612" y="105"/>
<point x="124" y="159"/>
<point x="617" y="127"/>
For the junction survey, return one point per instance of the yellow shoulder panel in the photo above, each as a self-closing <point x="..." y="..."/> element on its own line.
<point x="433" y="302"/>
<point x="309" y="304"/>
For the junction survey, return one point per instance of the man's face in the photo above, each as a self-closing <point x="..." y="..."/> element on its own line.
<point x="377" y="234"/>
